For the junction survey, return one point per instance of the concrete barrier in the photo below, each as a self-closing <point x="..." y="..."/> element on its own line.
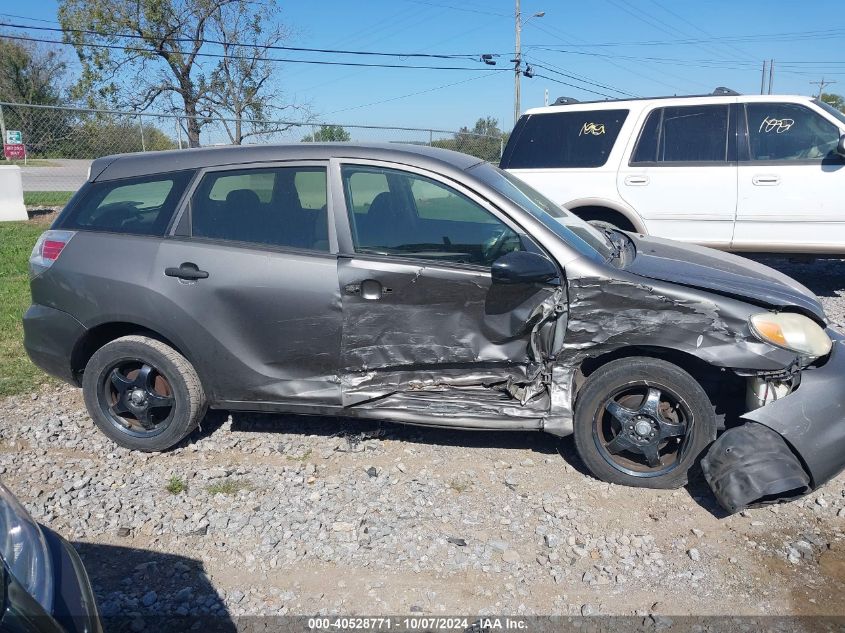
<point x="11" y="194"/>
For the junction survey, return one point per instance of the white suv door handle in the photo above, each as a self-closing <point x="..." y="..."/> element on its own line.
<point x="636" y="181"/>
<point x="765" y="180"/>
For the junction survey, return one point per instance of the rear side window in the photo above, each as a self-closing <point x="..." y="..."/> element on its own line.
<point x="564" y="139"/>
<point x="283" y="206"/>
<point x="139" y="206"/>
<point x="684" y="134"/>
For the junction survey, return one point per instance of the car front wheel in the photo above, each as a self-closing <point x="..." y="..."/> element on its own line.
<point x="142" y="393"/>
<point x="643" y="422"/>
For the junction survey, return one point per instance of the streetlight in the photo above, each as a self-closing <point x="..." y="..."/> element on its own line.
<point x="517" y="61"/>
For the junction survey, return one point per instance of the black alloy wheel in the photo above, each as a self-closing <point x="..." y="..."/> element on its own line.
<point x="642" y="430"/>
<point x="137" y="398"/>
<point x="642" y="421"/>
<point x="143" y="394"/>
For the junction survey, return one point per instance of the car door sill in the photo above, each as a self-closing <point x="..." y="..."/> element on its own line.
<point x="419" y="409"/>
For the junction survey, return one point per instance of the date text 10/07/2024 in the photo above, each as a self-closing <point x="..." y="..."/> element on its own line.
<point x="406" y="623"/>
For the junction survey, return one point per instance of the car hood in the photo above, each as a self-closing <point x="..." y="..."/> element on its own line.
<point x="722" y="273"/>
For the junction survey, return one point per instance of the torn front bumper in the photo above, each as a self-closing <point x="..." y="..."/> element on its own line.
<point x="788" y="447"/>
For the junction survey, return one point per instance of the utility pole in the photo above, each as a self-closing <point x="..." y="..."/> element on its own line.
<point x="821" y="84"/>
<point x="517" y="59"/>
<point x="771" y="74"/>
<point x="763" y="79"/>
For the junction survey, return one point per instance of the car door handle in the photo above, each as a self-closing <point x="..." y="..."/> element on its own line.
<point x="368" y="289"/>
<point x="636" y="181"/>
<point x="765" y="180"/>
<point x="186" y="271"/>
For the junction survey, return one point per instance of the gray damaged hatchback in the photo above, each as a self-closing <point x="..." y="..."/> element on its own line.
<point x="425" y="286"/>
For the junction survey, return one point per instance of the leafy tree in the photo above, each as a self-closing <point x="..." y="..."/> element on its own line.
<point x="103" y="134"/>
<point x="156" y="59"/>
<point x="36" y="74"/>
<point x="33" y="73"/>
<point x="484" y="140"/>
<point x="328" y="134"/>
<point x="837" y="101"/>
<point x="238" y="84"/>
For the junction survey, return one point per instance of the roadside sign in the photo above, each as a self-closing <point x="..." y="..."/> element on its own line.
<point x="13" y="137"/>
<point x="16" y="151"/>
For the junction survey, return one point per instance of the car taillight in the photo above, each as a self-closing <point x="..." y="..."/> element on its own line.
<point x="47" y="250"/>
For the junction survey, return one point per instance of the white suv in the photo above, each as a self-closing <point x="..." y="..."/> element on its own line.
<point x="740" y="173"/>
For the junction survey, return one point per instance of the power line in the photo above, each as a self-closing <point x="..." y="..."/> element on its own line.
<point x="786" y="36"/>
<point x="674" y="30"/>
<point x="411" y="94"/>
<point x="745" y="54"/>
<point x="244" y="57"/>
<point x="471" y="56"/>
<point x="611" y="61"/>
<point x="806" y="67"/>
<point x="454" y="8"/>
<point x="556" y="70"/>
<point x="566" y="83"/>
<point x="23" y="17"/>
<point x="821" y="84"/>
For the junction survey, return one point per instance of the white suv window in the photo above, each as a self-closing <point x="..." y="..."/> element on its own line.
<point x="564" y="139"/>
<point x="684" y="134"/>
<point x="790" y="132"/>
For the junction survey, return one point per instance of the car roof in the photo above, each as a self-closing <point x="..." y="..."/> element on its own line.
<point x="140" y="164"/>
<point x="641" y="102"/>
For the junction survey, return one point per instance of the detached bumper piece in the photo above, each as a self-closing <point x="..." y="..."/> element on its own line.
<point x="787" y="447"/>
<point x="751" y="465"/>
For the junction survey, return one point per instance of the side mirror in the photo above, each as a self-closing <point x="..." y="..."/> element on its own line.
<point x="840" y="148"/>
<point x="521" y="267"/>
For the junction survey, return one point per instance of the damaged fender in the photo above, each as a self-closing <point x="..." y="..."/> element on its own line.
<point x="607" y="314"/>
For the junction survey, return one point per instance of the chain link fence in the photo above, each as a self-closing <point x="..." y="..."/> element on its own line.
<point x="61" y="142"/>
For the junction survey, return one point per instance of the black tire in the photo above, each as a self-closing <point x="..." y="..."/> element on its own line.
<point x="643" y="392"/>
<point x="143" y="394"/>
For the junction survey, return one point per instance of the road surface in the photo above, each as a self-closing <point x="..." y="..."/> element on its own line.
<point x="62" y="174"/>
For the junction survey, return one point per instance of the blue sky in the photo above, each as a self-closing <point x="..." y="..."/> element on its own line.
<point x="575" y="38"/>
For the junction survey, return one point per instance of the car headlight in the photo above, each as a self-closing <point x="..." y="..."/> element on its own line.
<point x="24" y="549"/>
<point x="792" y="331"/>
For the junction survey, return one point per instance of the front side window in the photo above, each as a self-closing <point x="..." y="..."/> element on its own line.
<point x="564" y="139"/>
<point x="397" y="213"/>
<point x="279" y="206"/>
<point x="580" y="235"/>
<point x="684" y="134"/>
<point x="789" y="132"/>
<point x="837" y="114"/>
<point x="139" y="206"/>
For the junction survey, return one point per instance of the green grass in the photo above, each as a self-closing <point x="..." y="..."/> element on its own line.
<point x="228" y="487"/>
<point x="176" y="486"/>
<point x="30" y="162"/>
<point x="460" y="484"/>
<point x="46" y="198"/>
<point x="302" y="458"/>
<point x="17" y="373"/>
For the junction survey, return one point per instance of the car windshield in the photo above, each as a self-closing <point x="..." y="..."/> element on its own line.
<point x="585" y="238"/>
<point x="830" y="110"/>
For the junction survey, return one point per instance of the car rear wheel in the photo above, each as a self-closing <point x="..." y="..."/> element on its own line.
<point x="643" y="422"/>
<point x="143" y="394"/>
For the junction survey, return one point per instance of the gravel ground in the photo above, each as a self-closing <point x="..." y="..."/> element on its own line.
<point x="261" y="514"/>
